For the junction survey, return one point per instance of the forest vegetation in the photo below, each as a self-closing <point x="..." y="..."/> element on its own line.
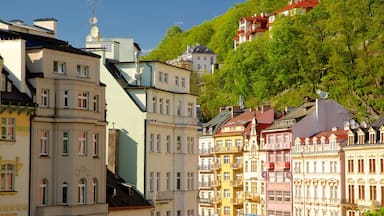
<point x="337" y="48"/>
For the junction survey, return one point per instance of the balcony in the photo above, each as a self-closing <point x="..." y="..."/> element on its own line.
<point x="253" y="197"/>
<point x="206" y="168"/>
<point x="276" y="146"/>
<point x="217" y="200"/>
<point x="162" y="196"/>
<point x="217" y="166"/>
<point x="237" y="183"/>
<point x="283" y="165"/>
<point x="237" y="201"/>
<point x="217" y="183"/>
<point x="207" y="200"/>
<point x="205" y="152"/>
<point x="269" y="166"/>
<point x="206" y="184"/>
<point x="237" y="166"/>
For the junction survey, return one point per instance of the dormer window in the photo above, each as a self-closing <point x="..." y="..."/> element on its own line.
<point x="382" y="136"/>
<point x="372" y="137"/>
<point x="351" y="139"/>
<point x="360" y="138"/>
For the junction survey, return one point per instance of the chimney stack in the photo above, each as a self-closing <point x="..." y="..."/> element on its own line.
<point x="47" y="23"/>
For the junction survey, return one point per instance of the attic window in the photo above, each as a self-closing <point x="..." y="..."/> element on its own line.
<point x="360" y="139"/>
<point x="351" y="139"/>
<point x="372" y="137"/>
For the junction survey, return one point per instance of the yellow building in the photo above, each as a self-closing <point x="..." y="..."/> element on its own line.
<point x="15" y="110"/>
<point x="231" y="144"/>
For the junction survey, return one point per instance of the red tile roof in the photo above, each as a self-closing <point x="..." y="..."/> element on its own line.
<point x="307" y="4"/>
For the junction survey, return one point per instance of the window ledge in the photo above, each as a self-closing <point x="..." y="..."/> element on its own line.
<point x="8" y="193"/>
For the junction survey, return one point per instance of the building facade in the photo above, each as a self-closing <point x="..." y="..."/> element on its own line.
<point x="16" y="108"/>
<point x="310" y="118"/>
<point x="151" y="105"/>
<point x="364" y="168"/>
<point x="68" y="127"/>
<point x="318" y="174"/>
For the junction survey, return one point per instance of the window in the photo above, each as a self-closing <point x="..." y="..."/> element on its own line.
<point x="8" y="128"/>
<point x="158" y="142"/>
<point x="177" y="81"/>
<point x="43" y="192"/>
<point x="183" y="82"/>
<point x="271" y="195"/>
<point x="152" y="142"/>
<point x="82" y="192"/>
<point x="82" y="100"/>
<point x="279" y="156"/>
<point x="279" y="176"/>
<point x="279" y="196"/>
<point x="271" y="157"/>
<point x="168" y="144"/>
<point x="227" y="176"/>
<point x="227" y="193"/>
<point x="179" y="108"/>
<point x="64" y="193"/>
<point x="190" y="110"/>
<point x="160" y="76"/>
<point x="151" y="181"/>
<point x="44" y="98"/>
<point x="350" y="166"/>
<point x="83" y="143"/>
<point x="178" y="181"/>
<point x="372" y="193"/>
<point x="167" y="102"/>
<point x="59" y="67"/>
<point x="7" y="177"/>
<point x="65" y="143"/>
<point x="372" y="165"/>
<point x="161" y="105"/>
<point x="95" y="103"/>
<point x="351" y="193"/>
<point x="360" y="165"/>
<point x="165" y="77"/>
<point x="178" y="143"/>
<point x="271" y="176"/>
<point x="82" y="70"/>
<point x="168" y="181"/>
<point x="95" y="140"/>
<point x="361" y="192"/>
<point x="66" y="99"/>
<point x="44" y="143"/>
<point x="158" y="180"/>
<point x="192" y="176"/>
<point x="154" y="104"/>
<point x="227" y="160"/>
<point x="287" y="196"/>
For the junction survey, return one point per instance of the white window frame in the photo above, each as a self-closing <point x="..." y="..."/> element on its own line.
<point x="82" y="70"/>
<point x="8" y="128"/>
<point x="65" y="143"/>
<point x="44" y="98"/>
<point x="59" y="67"/>
<point x="82" y="192"/>
<point x="64" y="193"/>
<point x="66" y="100"/>
<point x="43" y="192"/>
<point x="44" y="142"/>
<point x="7" y="177"/>
<point x="95" y="103"/>
<point x="82" y="100"/>
<point x="95" y="145"/>
<point x="83" y="143"/>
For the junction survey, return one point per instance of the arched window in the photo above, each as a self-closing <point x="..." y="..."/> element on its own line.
<point x="82" y="191"/>
<point x="7" y="177"/>
<point x="64" y="193"/>
<point x="94" y="190"/>
<point x="43" y="192"/>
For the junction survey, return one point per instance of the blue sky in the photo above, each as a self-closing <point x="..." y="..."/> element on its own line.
<point x="144" y="20"/>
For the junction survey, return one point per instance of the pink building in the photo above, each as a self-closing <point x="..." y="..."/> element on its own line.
<point x="308" y="119"/>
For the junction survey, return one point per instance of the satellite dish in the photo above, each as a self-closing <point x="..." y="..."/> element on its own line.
<point x="93" y="20"/>
<point x="94" y="31"/>
<point x="324" y="95"/>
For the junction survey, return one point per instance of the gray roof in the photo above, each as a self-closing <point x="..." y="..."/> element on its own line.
<point x="218" y="120"/>
<point x="199" y="49"/>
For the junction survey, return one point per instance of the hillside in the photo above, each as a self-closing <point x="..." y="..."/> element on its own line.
<point x="336" y="48"/>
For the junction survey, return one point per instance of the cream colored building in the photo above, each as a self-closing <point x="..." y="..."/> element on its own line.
<point x="318" y="174"/>
<point x="15" y="110"/>
<point x="68" y="175"/>
<point x="150" y="104"/>
<point x="364" y="168"/>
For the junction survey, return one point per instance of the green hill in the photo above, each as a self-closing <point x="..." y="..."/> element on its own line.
<point x="336" y="47"/>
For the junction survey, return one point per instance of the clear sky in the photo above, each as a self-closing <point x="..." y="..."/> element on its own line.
<point x="146" y="21"/>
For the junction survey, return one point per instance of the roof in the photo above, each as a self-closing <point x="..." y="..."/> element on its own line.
<point x="198" y="49"/>
<point x="39" y="42"/>
<point x="121" y="194"/>
<point x="307" y="4"/>
<point x="218" y="120"/>
<point x="296" y="115"/>
<point x="378" y="123"/>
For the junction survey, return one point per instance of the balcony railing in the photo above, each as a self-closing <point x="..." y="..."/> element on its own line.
<point x="252" y="196"/>
<point x="282" y="165"/>
<point x="206" y="184"/>
<point x="269" y="165"/>
<point x="206" y="200"/>
<point x="163" y="195"/>
<point x="237" y="183"/>
<point x="206" y="168"/>
<point x="237" y="201"/>
<point x="205" y="151"/>
<point x="217" y="183"/>
<point x="237" y="165"/>
<point x="275" y="146"/>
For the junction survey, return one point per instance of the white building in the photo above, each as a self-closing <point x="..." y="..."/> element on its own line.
<point x="364" y="168"/>
<point x="68" y="175"/>
<point x="150" y="104"/>
<point x="318" y="174"/>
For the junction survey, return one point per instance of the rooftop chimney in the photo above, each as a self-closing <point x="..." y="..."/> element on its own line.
<point x="46" y="23"/>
